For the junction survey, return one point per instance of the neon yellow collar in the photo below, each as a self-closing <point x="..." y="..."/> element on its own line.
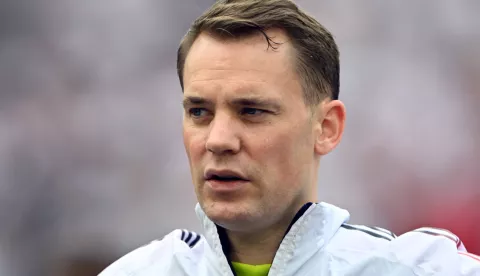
<point x="251" y="270"/>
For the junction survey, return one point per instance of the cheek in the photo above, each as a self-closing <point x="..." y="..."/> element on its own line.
<point x="194" y="144"/>
<point x="274" y="156"/>
<point x="285" y="156"/>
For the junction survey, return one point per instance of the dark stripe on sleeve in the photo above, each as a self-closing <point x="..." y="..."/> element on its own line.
<point x="349" y="227"/>
<point x="457" y="242"/>
<point x="388" y="232"/>
<point x="195" y="241"/>
<point x="188" y="237"/>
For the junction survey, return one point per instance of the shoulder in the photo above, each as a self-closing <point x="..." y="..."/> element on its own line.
<point x="365" y="238"/>
<point x="417" y="252"/>
<point x="383" y="237"/>
<point x="352" y="237"/>
<point x="157" y="253"/>
<point x="430" y="235"/>
<point x="368" y="232"/>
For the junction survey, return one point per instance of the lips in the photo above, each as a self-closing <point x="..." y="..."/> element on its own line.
<point x="224" y="175"/>
<point x="225" y="181"/>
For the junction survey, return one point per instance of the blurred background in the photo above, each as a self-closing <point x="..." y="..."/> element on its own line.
<point x="91" y="157"/>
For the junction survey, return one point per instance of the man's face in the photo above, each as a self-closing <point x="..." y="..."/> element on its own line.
<point x="248" y="133"/>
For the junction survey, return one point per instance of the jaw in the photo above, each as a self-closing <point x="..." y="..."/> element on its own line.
<point x="236" y="214"/>
<point x="223" y="209"/>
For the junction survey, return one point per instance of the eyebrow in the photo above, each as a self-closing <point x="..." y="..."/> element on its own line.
<point x="257" y="102"/>
<point x="245" y="101"/>
<point x="193" y="100"/>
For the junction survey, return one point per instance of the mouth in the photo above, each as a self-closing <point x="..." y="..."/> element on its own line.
<point x="227" y="176"/>
<point x="225" y="181"/>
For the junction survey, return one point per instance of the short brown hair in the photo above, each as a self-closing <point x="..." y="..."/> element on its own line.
<point x="317" y="61"/>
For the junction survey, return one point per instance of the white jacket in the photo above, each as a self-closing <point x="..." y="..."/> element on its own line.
<point x="319" y="243"/>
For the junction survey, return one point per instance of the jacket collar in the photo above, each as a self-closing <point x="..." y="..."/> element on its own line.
<point x="312" y="228"/>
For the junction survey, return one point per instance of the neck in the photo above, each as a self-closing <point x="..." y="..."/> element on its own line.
<point x="256" y="248"/>
<point x="260" y="247"/>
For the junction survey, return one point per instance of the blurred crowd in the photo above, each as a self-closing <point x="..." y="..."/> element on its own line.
<point x="91" y="157"/>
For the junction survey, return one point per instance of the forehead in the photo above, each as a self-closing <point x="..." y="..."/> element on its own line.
<point x="241" y="64"/>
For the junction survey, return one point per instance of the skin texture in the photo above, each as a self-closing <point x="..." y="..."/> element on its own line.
<point x="244" y="111"/>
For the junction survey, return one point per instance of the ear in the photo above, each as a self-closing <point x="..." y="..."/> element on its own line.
<point x="329" y="125"/>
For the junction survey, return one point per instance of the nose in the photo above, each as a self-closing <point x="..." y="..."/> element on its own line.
<point x="223" y="136"/>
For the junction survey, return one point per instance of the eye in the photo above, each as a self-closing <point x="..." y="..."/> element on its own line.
<point x="197" y="112"/>
<point x="252" y="111"/>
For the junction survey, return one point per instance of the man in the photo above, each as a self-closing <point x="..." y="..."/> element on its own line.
<point x="260" y="80"/>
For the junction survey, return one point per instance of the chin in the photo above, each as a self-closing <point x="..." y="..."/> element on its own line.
<point x="229" y="215"/>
